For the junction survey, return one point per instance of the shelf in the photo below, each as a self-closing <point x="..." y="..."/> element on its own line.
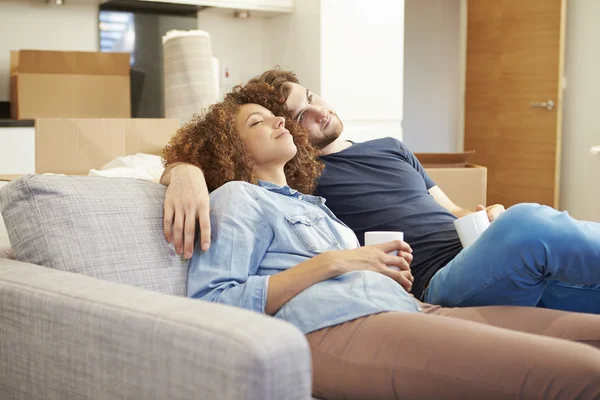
<point x="274" y="6"/>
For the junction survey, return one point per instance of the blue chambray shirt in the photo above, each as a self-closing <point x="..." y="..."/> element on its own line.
<point x="258" y="231"/>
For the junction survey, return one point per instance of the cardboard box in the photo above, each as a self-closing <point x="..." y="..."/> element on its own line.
<point x="74" y="146"/>
<point x="464" y="183"/>
<point x="69" y="84"/>
<point x="8" y="178"/>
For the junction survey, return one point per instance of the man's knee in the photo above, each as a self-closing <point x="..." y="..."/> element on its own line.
<point x="524" y="212"/>
<point x="527" y="216"/>
<point x="524" y="224"/>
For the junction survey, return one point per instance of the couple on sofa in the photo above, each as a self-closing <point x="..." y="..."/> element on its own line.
<point x="272" y="157"/>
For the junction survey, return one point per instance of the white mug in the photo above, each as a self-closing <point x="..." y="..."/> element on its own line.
<point x="378" y="237"/>
<point x="471" y="226"/>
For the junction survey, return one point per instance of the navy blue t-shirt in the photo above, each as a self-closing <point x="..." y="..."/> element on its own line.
<point x="380" y="185"/>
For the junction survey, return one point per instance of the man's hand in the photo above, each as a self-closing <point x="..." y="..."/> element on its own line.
<point x="492" y="211"/>
<point x="186" y="200"/>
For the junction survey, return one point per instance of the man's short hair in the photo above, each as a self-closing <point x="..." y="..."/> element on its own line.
<point x="278" y="78"/>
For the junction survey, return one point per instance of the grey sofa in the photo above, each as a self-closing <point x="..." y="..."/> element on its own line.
<point x="95" y="309"/>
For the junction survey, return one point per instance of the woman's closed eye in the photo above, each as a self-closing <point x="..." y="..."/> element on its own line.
<point x="256" y="123"/>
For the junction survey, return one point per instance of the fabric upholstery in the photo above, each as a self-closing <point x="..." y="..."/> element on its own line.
<point x="68" y="336"/>
<point x="108" y="228"/>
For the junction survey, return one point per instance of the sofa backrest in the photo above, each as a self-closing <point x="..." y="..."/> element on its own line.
<point x="108" y="228"/>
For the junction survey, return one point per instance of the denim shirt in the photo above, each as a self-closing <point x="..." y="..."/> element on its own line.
<point x="259" y="231"/>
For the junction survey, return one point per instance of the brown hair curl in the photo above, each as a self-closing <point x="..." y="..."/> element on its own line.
<point x="279" y="79"/>
<point x="211" y="141"/>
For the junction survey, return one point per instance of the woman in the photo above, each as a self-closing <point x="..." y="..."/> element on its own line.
<point x="280" y="252"/>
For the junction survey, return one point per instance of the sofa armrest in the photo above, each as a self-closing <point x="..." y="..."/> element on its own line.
<point x="69" y="336"/>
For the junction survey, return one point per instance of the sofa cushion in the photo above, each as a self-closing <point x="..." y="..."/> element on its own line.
<point x="108" y="228"/>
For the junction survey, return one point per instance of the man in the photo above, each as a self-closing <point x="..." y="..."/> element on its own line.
<point x="530" y="253"/>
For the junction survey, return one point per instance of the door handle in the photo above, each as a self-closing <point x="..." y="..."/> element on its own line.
<point x="548" y="105"/>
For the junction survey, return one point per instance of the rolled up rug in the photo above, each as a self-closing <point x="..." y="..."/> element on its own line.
<point x="189" y="76"/>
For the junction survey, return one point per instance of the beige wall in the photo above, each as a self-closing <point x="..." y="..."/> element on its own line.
<point x="31" y="24"/>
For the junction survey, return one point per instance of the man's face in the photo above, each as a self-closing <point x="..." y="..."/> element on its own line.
<point x="315" y="115"/>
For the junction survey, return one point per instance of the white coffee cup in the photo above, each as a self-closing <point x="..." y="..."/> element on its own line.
<point x="378" y="237"/>
<point x="471" y="226"/>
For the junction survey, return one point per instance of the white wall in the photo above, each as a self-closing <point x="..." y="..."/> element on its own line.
<point x="433" y="94"/>
<point x="251" y="46"/>
<point x="338" y="48"/>
<point x="241" y="44"/>
<point x="31" y="24"/>
<point x="362" y="65"/>
<point x="580" y="170"/>
<point x="295" y="41"/>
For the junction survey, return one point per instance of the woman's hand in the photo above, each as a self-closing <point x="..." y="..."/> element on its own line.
<point x="376" y="258"/>
<point x="408" y="281"/>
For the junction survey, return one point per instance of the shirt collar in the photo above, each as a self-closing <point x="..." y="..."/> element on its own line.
<point x="286" y="190"/>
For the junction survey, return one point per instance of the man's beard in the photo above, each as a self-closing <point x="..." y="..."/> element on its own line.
<point x="325" y="140"/>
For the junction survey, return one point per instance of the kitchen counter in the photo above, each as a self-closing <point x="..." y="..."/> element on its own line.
<point x="13" y="123"/>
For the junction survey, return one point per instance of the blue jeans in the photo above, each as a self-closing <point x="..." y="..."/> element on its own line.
<point x="532" y="255"/>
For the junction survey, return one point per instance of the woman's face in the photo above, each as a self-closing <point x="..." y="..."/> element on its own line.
<point x="270" y="144"/>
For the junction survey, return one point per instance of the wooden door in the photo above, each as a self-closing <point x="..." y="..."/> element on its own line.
<point x="514" y="60"/>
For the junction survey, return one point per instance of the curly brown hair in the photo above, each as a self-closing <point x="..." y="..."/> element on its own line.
<point x="278" y="78"/>
<point x="211" y="141"/>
